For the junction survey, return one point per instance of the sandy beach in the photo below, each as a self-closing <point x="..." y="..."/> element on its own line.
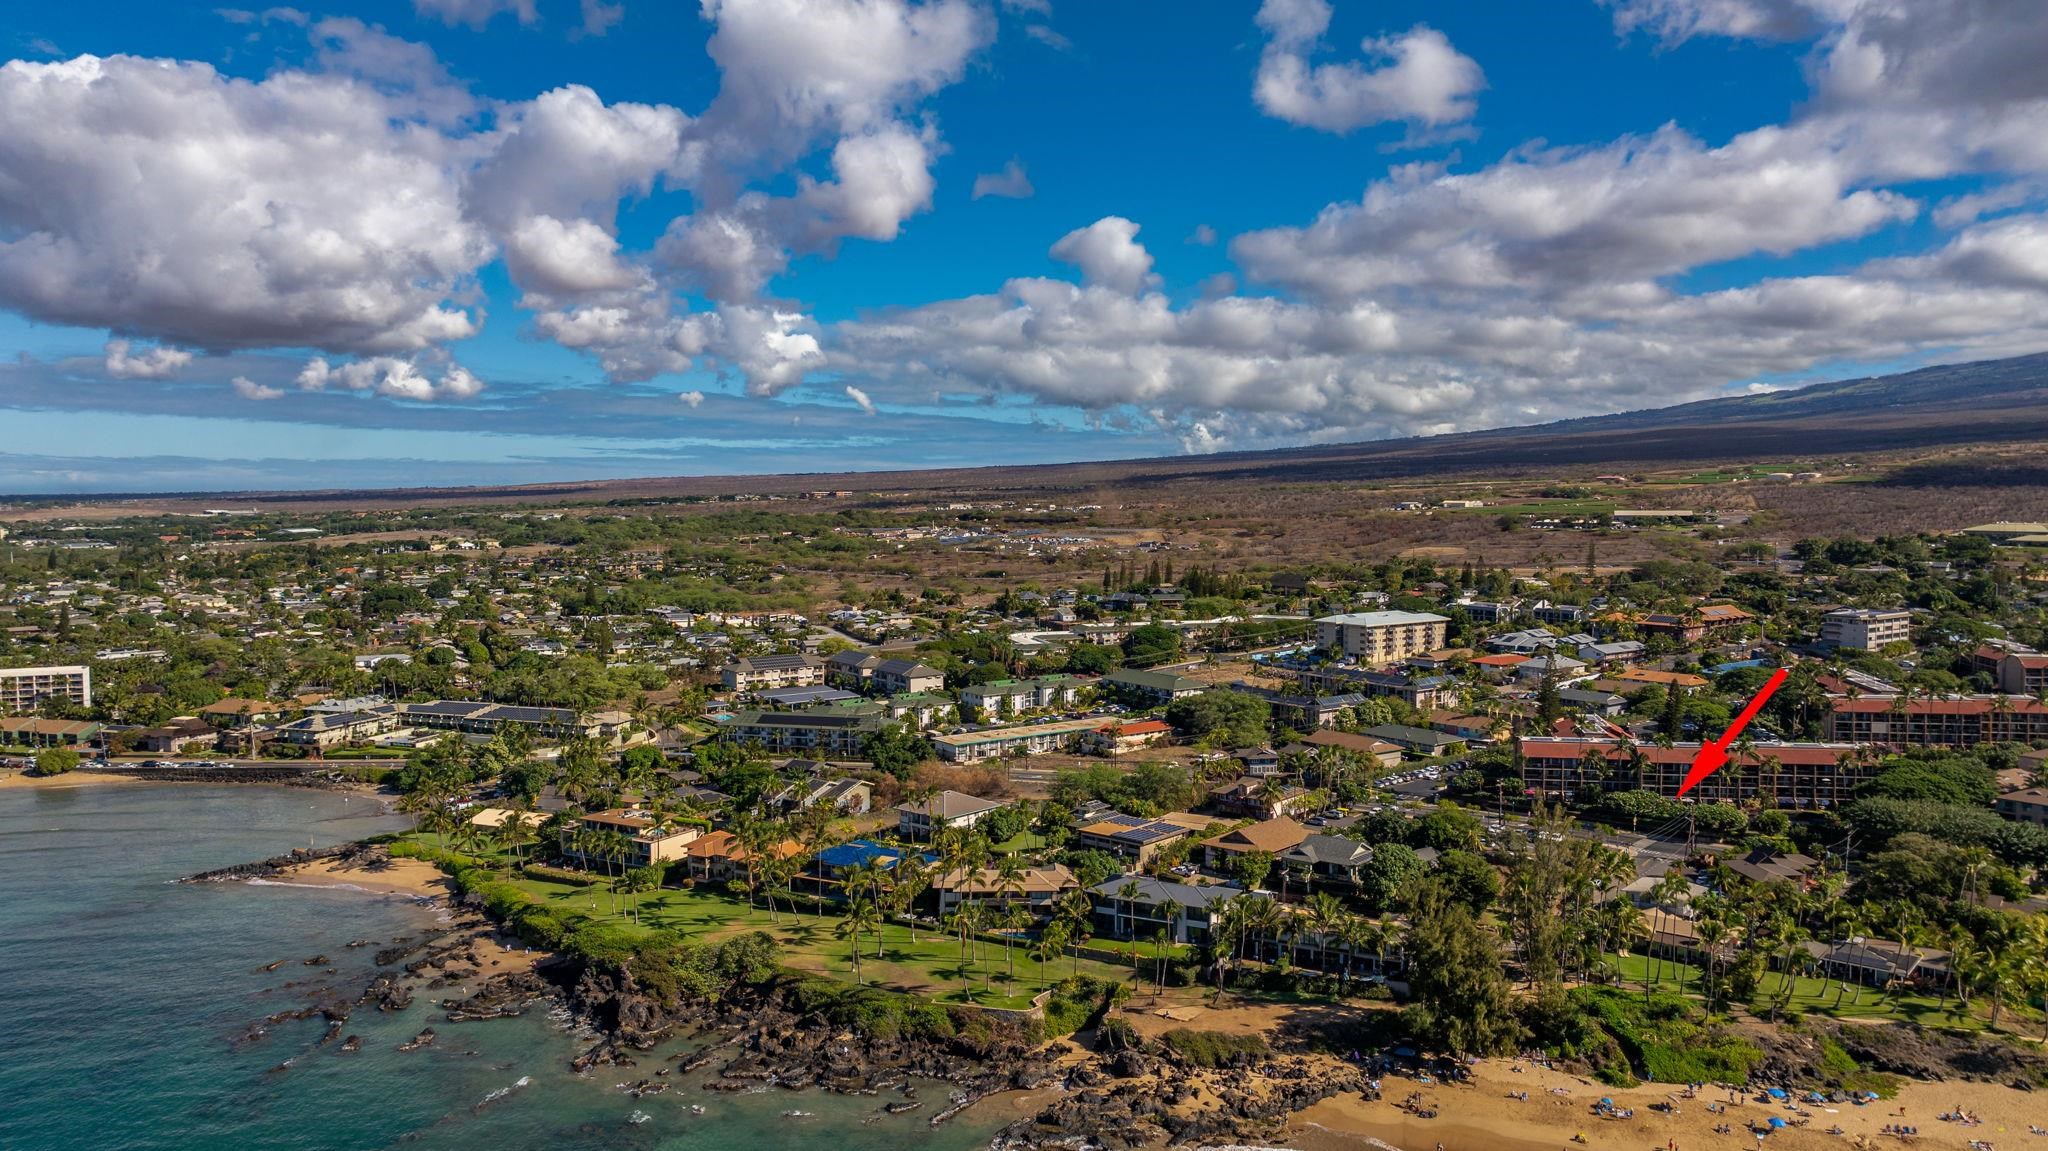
<point x="413" y="879"/>
<point x="1486" y="1115"/>
<point x="11" y="780"/>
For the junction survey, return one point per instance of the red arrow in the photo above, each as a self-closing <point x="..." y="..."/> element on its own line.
<point x="1713" y="755"/>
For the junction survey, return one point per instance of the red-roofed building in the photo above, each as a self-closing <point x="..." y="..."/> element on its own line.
<point x="1118" y="738"/>
<point x="1964" y="722"/>
<point x="2023" y="674"/>
<point x="1791" y="774"/>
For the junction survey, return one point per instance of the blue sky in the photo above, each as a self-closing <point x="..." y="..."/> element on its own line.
<point x="481" y="241"/>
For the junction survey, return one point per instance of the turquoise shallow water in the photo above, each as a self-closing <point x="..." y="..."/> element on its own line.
<point x="124" y="999"/>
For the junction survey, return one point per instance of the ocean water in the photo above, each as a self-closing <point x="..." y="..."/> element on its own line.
<point x="126" y="1002"/>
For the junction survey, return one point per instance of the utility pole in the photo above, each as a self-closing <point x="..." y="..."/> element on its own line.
<point x="1692" y="829"/>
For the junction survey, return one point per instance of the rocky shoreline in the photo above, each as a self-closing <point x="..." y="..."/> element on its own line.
<point x="1120" y="1098"/>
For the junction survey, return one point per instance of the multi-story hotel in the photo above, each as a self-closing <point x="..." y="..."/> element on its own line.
<point x="25" y="688"/>
<point x="1791" y="774"/>
<point x="1963" y="722"/>
<point x="1377" y="638"/>
<point x="1866" y="628"/>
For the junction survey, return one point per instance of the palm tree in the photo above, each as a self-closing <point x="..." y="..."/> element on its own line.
<point x="861" y="915"/>
<point x="1325" y="915"/>
<point x="1077" y="911"/>
<point x="1009" y="883"/>
<point x="912" y="878"/>
<point x="1016" y="917"/>
<point x="1051" y="942"/>
<point x="1128" y="892"/>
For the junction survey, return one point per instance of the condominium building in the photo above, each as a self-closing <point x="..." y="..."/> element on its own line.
<point x="836" y="730"/>
<point x="754" y="673"/>
<point x="25" y="688"/>
<point x="1382" y="637"/>
<point x="1788" y="774"/>
<point x="1011" y="696"/>
<point x="2023" y="674"/>
<point x="1024" y="739"/>
<point x="1963" y="722"/>
<point x="1866" y="628"/>
<point x="477" y="717"/>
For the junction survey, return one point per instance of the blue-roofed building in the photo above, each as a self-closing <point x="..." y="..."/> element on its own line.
<point x="826" y="875"/>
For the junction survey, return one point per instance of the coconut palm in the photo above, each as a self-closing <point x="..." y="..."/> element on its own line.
<point x="1015" y="918"/>
<point x="862" y="915"/>
<point x="1325" y="915"/>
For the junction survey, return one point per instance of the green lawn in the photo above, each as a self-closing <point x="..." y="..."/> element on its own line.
<point x="931" y="965"/>
<point x="1810" y="996"/>
<point x="1022" y="841"/>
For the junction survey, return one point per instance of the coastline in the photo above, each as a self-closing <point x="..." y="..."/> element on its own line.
<point x="1050" y="1095"/>
<point x="23" y="781"/>
<point x="1480" y="1116"/>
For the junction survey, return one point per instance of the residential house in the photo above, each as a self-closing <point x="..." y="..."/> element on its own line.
<point x="719" y="855"/>
<point x="2027" y="805"/>
<point x="1303" y="712"/>
<point x="828" y="871"/>
<point x="1116" y="738"/>
<point x="1273" y="836"/>
<point x="920" y="819"/>
<point x="1387" y="754"/>
<point x="177" y="735"/>
<point x="1136" y="838"/>
<point x="798" y="697"/>
<point x="1763" y="865"/>
<point x="1417" y="740"/>
<point x="238" y="713"/>
<point x="1259" y="797"/>
<point x="649" y="838"/>
<point x="1333" y="861"/>
<point x="1603" y="703"/>
<point x="847" y="796"/>
<point x="1038" y="889"/>
<point x="1637" y="678"/>
<point x="1880" y="962"/>
<point x="1616" y="652"/>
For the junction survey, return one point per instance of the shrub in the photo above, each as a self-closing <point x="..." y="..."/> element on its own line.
<point x="1211" y="1048"/>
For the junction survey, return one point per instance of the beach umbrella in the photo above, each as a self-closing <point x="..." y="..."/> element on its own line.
<point x="1776" y="1123"/>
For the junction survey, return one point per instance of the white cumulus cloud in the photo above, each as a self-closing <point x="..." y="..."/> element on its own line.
<point x="1415" y="76"/>
<point x="153" y="364"/>
<point x="1108" y="253"/>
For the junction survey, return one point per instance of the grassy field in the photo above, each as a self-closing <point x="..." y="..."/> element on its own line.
<point x="930" y="965"/>
<point x="1810" y="996"/>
